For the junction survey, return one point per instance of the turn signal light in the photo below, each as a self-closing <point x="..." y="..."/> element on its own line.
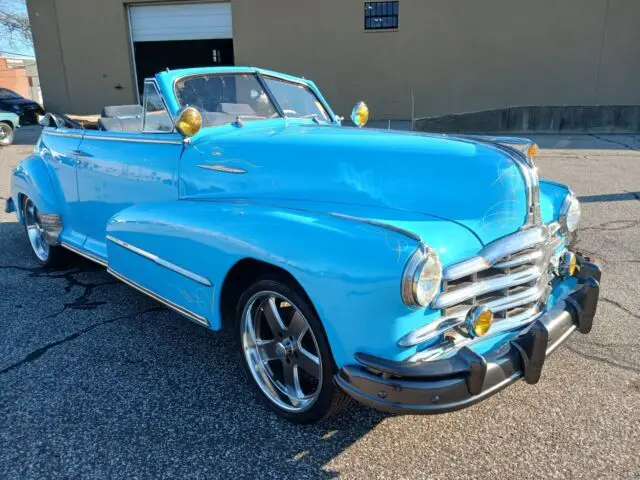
<point x="533" y="150"/>
<point x="479" y="320"/>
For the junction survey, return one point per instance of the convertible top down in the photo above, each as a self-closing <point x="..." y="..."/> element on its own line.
<point x="411" y="272"/>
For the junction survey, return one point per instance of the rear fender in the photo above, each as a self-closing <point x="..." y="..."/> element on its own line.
<point x="350" y="270"/>
<point x="31" y="178"/>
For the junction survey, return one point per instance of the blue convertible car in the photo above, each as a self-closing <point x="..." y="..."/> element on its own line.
<point x="411" y="272"/>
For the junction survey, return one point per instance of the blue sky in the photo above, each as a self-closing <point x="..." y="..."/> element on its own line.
<point x="16" y="47"/>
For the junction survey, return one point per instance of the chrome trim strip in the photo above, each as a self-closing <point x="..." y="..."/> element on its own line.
<point x="375" y="223"/>
<point x="84" y="254"/>
<point x="223" y="168"/>
<point x="448" y="299"/>
<point x="160" y="261"/>
<point x="134" y="140"/>
<point x="181" y="310"/>
<point x="493" y="252"/>
<point x="515" y="261"/>
<point x="61" y="134"/>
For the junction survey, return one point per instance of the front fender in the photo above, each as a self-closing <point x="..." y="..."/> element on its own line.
<point x="31" y="178"/>
<point x="350" y="270"/>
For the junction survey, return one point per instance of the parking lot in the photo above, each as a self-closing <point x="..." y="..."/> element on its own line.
<point x="97" y="380"/>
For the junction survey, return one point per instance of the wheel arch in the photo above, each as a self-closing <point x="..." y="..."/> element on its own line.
<point x="31" y="179"/>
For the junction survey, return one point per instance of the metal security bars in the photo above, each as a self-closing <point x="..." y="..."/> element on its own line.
<point x="381" y="15"/>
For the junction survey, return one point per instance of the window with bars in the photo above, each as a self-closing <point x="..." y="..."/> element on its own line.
<point x="381" y="15"/>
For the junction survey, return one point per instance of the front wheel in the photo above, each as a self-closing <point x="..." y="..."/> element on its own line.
<point x="7" y="134"/>
<point x="286" y="352"/>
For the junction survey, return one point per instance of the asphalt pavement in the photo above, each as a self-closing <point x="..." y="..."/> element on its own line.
<point x="99" y="381"/>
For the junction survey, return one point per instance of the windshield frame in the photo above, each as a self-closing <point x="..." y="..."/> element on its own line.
<point x="260" y="78"/>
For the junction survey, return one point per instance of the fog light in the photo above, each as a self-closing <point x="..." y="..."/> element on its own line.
<point x="479" y="320"/>
<point x="568" y="264"/>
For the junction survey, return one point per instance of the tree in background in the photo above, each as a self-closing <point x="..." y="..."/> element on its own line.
<point x="15" y="27"/>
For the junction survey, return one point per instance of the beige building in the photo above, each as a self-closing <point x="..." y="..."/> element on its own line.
<point x="451" y="56"/>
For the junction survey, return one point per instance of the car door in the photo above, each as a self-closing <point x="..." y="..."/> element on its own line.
<point x="58" y="146"/>
<point x="137" y="163"/>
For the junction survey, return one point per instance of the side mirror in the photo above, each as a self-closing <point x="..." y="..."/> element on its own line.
<point x="189" y="121"/>
<point x="43" y="120"/>
<point x="360" y="114"/>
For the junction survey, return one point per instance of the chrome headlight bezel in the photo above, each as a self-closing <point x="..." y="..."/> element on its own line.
<point x="570" y="213"/>
<point x="423" y="266"/>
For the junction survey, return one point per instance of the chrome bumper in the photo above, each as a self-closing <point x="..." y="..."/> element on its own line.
<point x="466" y="378"/>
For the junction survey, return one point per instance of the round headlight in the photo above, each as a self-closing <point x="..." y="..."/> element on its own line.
<point x="570" y="213"/>
<point x="422" y="277"/>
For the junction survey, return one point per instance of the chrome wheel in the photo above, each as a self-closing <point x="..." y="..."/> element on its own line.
<point x="281" y="351"/>
<point x="35" y="231"/>
<point x="6" y="134"/>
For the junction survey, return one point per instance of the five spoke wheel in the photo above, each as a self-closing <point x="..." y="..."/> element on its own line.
<point x="282" y="351"/>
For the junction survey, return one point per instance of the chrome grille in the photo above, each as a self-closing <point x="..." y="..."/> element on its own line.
<point x="512" y="276"/>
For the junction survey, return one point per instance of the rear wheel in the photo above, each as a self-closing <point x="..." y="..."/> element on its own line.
<point x="7" y="134"/>
<point x="285" y="350"/>
<point x="46" y="255"/>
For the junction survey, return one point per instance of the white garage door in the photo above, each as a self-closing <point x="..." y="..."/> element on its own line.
<point x="180" y="21"/>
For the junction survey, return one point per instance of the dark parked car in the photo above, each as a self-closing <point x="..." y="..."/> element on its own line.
<point x="26" y="109"/>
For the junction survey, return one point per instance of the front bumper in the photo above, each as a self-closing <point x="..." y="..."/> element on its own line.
<point x="460" y="381"/>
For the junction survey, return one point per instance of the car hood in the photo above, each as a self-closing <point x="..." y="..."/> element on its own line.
<point x="473" y="184"/>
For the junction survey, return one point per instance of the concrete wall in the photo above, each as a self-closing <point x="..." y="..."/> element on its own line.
<point x="455" y="55"/>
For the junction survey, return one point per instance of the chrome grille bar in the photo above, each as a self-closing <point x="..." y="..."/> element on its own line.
<point x="497" y="250"/>
<point x="459" y="295"/>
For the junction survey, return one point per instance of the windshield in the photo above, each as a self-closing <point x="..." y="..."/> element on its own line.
<point x="6" y="93"/>
<point x="296" y="100"/>
<point x="225" y="98"/>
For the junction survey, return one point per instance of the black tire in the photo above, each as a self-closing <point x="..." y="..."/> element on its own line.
<point x="52" y="255"/>
<point x="7" y="134"/>
<point x="329" y="397"/>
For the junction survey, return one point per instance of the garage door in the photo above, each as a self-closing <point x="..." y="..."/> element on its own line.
<point x="180" y="21"/>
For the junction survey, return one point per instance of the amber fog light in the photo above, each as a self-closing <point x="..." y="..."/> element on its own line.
<point x="479" y="320"/>
<point x="568" y="264"/>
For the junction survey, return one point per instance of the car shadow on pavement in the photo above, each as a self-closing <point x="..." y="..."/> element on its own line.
<point x="96" y="377"/>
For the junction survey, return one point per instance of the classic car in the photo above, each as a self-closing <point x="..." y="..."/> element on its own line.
<point x="411" y="272"/>
<point x="26" y="109"/>
<point x="9" y="123"/>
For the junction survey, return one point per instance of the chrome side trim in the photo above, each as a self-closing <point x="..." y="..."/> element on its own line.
<point x="134" y="140"/>
<point x="160" y="261"/>
<point x="375" y="223"/>
<point x="447" y="299"/>
<point x="223" y="168"/>
<point x="84" y="254"/>
<point x="493" y="252"/>
<point x="61" y="134"/>
<point x="181" y="310"/>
